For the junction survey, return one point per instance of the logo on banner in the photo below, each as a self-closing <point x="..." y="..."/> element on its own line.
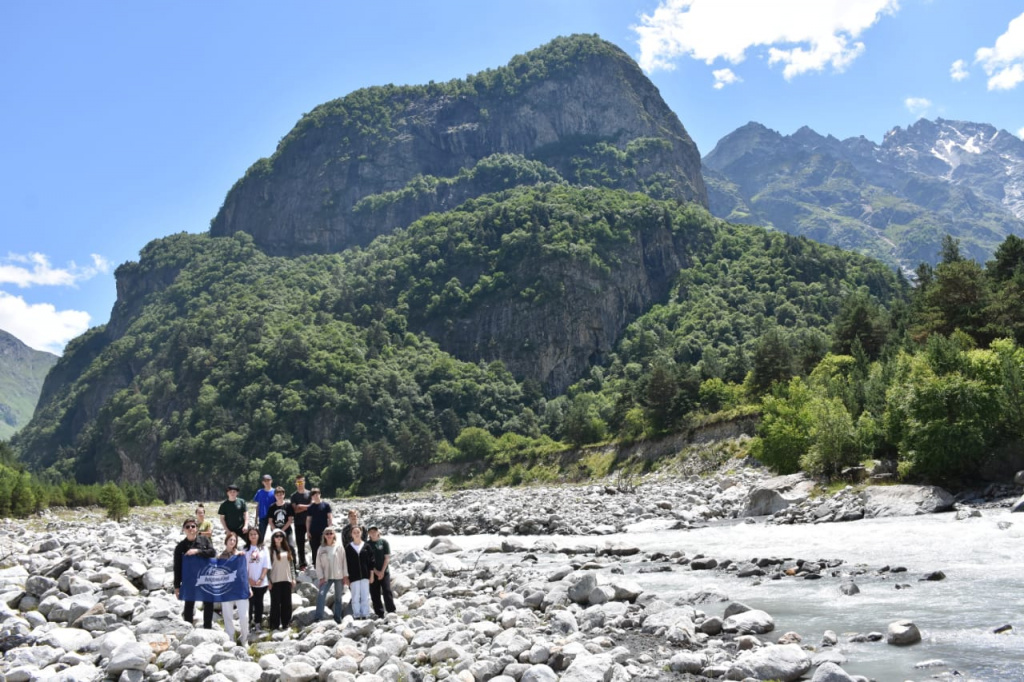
<point x="215" y="579"/>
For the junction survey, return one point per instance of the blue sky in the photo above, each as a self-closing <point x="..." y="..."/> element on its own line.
<point x="123" y="122"/>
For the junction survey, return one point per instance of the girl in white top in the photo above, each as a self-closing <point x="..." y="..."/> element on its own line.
<point x="228" y="608"/>
<point x="257" y="560"/>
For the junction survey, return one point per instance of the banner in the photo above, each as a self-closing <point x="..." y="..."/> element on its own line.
<point x="214" y="580"/>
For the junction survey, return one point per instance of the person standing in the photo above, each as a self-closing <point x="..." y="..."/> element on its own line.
<point x="280" y="515"/>
<point x="359" y="558"/>
<point x="241" y="606"/>
<point x="263" y="498"/>
<point x="301" y="499"/>
<point x="381" y="584"/>
<point x="205" y="524"/>
<point x="193" y="545"/>
<point x="331" y="570"/>
<point x="318" y="519"/>
<point x="282" y="581"/>
<point x="353" y="521"/>
<point x="257" y="559"/>
<point x="233" y="515"/>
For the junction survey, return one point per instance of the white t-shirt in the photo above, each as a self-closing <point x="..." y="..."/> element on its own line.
<point x="257" y="559"/>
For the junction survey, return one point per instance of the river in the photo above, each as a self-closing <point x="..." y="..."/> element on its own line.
<point x="982" y="590"/>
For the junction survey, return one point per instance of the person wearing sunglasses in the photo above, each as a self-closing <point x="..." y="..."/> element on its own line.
<point x="331" y="570"/>
<point x="194" y="544"/>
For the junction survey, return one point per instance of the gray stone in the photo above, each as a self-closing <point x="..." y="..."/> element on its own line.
<point x="445" y="651"/>
<point x="905" y="500"/>
<point x="902" y="633"/>
<point x="441" y="528"/>
<point x="1018" y="478"/>
<point x="849" y="588"/>
<point x="753" y="622"/>
<point x="830" y="672"/>
<point x="581" y="586"/>
<point x="563" y="622"/>
<point x="1018" y="506"/>
<point x="776" y="494"/>
<point x="129" y="656"/>
<point x="688" y="662"/>
<point x="590" y="668"/>
<point x="298" y="672"/>
<point x="68" y="639"/>
<point x="784" y="662"/>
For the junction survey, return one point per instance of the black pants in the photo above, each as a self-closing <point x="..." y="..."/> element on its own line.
<point x="379" y="588"/>
<point x="256" y="605"/>
<point x="300" y="542"/>
<point x="280" y="605"/>
<point x="314" y="544"/>
<point x="190" y="611"/>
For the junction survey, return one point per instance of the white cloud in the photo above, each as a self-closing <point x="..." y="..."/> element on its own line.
<point x="724" y="77"/>
<point x="1020" y="133"/>
<point x="34" y="269"/>
<point x="917" y="105"/>
<point x="958" y="71"/>
<point x="802" y="35"/>
<point x="1004" y="61"/>
<point x="40" y="325"/>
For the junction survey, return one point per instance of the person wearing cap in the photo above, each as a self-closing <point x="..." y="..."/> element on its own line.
<point x="194" y="544"/>
<point x="301" y="499"/>
<point x="233" y="515"/>
<point x="263" y="498"/>
<point x="380" y="586"/>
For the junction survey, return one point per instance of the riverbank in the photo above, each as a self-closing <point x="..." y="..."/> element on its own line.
<point x="662" y="578"/>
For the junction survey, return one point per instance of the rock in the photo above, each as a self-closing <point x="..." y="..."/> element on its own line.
<point x="298" y="672"/>
<point x="735" y="607"/>
<point x="1018" y="506"/>
<point x="753" y="622"/>
<point x="776" y="494"/>
<point x="904" y="500"/>
<point x="68" y="639"/>
<point x="581" y="587"/>
<point x="687" y="662"/>
<point x="239" y="671"/>
<point x="1003" y="628"/>
<point x="129" y="656"/>
<point x="1018" y="478"/>
<point x="589" y="668"/>
<point x="443" y="545"/>
<point x="539" y="673"/>
<point x="849" y="588"/>
<point x="440" y="528"/>
<point x="830" y="672"/>
<point x="934" y="576"/>
<point x="785" y="663"/>
<point x="902" y="633"/>
<point x="703" y="564"/>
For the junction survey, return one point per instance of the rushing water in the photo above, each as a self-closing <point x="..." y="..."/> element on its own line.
<point x="983" y="588"/>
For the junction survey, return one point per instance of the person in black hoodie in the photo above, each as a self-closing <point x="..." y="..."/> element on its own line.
<point x="194" y="544"/>
<point x="359" y="556"/>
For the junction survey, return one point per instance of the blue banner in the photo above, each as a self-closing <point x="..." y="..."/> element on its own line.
<point x="214" y="580"/>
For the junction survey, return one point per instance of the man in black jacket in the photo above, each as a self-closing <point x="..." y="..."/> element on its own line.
<point x="193" y="545"/>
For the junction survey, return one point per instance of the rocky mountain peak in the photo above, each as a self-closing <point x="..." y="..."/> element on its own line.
<point x="381" y="157"/>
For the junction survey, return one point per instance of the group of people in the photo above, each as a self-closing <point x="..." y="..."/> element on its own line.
<point x="359" y="558"/>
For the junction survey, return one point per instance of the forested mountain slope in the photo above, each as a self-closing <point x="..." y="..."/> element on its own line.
<point x="22" y="370"/>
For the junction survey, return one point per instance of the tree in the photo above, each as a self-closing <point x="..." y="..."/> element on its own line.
<point x="475" y="444"/>
<point x="773" y="361"/>
<point x="113" y="499"/>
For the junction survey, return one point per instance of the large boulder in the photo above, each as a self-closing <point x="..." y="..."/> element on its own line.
<point x="776" y="494"/>
<point x="905" y="500"/>
<point x="831" y="672"/>
<point x="752" y="622"/>
<point x="902" y="633"/>
<point x="785" y="663"/>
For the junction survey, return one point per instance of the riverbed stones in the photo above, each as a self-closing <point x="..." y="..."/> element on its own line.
<point x="905" y="500"/>
<point x="1018" y="506"/>
<point x="752" y="622"/>
<point x="831" y="672"/>
<point x="776" y="494"/>
<point x="785" y="662"/>
<point x="902" y="633"/>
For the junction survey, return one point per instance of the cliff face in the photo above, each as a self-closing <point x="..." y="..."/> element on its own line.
<point x="579" y="105"/>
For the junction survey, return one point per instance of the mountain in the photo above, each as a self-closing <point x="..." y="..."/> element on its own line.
<point x="894" y="201"/>
<point x="354" y="168"/>
<point x="418" y="262"/>
<point x="22" y="370"/>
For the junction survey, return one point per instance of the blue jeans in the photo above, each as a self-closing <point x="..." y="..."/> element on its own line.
<point x="321" y="598"/>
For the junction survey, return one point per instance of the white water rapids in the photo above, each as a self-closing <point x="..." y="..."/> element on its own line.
<point x="983" y="587"/>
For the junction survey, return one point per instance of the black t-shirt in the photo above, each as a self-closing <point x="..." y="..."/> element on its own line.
<point x="278" y="515"/>
<point x="318" y="518"/>
<point x="301" y="498"/>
